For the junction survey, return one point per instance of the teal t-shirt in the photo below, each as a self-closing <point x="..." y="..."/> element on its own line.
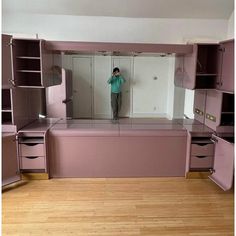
<point x="116" y="82"/>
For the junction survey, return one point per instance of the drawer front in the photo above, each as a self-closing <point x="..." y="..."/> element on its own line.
<point x="31" y="150"/>
<point x="33" y="162"/>
<point x="202" y="149"/>
<point x="201" y="162"/>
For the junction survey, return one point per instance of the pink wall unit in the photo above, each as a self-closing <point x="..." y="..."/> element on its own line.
<point x="223" y="169"/>
<point x="10" y="165"/>
<point x="92" y="47"/>
<point x="85" y="152"/>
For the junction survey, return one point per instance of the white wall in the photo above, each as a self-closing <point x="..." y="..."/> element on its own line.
<point x="115" y="29"/>
<point x="188" y="103"/>
<point x="150" y="86"/>
<point x="230" y="32"/>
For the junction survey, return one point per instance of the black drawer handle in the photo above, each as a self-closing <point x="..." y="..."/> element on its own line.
<point x="202" y="144"/>
<point x="30" y="144"/>
<point x="32" y="157"/>
<point x="201" y="156"/>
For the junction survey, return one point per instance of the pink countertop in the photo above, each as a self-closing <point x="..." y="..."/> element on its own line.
<point x="109" y="129"/>
<point x="85" y="129"/>
<point x="123" y="127"/>
<point x="40" y="125"/>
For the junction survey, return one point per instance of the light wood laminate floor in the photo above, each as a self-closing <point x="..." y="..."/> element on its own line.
<point x="136" y="206"/>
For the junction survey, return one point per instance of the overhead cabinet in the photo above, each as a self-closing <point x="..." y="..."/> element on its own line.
<point x="33" y="65"/>
<point x="209" y="66"/>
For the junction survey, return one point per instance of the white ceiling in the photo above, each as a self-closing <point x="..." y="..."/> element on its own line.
<point x="206" y="9"/>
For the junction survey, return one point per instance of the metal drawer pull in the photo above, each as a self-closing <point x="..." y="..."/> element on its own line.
<point x="32" y="157"/>
<point x="201" y="156"/>
<point x="212" y="171"/>
<point x="213" y="140"/>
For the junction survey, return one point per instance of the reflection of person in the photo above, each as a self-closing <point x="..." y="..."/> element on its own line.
<point x="116" y="82"/>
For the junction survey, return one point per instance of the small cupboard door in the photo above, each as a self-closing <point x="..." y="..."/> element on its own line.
<point x="227" y="74"/>
<point x="199" y="105"/>
<point x="6" y="61"/>
<point x="223" y="169"/>
<point x="10" y="166"/>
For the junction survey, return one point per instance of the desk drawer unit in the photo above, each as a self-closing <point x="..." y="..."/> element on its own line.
<point x="201" y="161"/>
<point x="202" y="149"/>
<point x="31" y="149"/>
<point x="32" y="162"/>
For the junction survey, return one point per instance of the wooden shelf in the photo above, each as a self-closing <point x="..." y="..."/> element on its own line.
<point x="201" y="74"/>
<point x="7" y="109"/>
<point x="30" y="58"/>
<point x="29" y="71"/>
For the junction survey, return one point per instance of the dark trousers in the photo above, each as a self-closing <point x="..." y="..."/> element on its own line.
<point x="115" y="104"/>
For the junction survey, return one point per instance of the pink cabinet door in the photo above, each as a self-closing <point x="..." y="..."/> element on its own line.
<point x="185" y="69"/>
<point x="223" y="169"/>
<point x="227" y="74"/>
<point x="6" y="61"/>
<point x="199" y="105"/>
<point x="213" y="108"/>
<point x="10" y="166"/>
<point x="190" y="65"/>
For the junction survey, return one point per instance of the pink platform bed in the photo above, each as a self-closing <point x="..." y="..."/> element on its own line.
<point x="129" y="148"/>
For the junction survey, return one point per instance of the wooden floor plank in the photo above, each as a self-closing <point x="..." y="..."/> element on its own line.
<point x="135" y="206"/>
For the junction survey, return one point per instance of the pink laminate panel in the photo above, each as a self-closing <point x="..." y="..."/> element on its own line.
<point x="148" y="121"/>
<point x="188" y="152"/>
<point x="179" y="71"/>
<point x="88" y="129"/>
<point x="199" y="130"/>
<point x="9" y="159"/>
<point x="227" y="74"/>
<point x="213" y="108"/>
<point x="152" y="130"/>
<point x="199" y="105"/>
<point x="223" y="163"/>
<point x="28" y="163"/>
<point x="117" y="156"/>
<point x="190" y="65"/>
<point x="187" y="122"/>
<point x="201" y="162"/>
<point x="40" y="125"/>
<point x="6" y="61"/>
<point x="118" y="47"/>
<point x="57" y="97"/>
<point x="29" y="150"/>
<point x="202" y="149"/>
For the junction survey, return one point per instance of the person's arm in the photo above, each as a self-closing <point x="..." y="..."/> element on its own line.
<point x="110" y="80"/>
